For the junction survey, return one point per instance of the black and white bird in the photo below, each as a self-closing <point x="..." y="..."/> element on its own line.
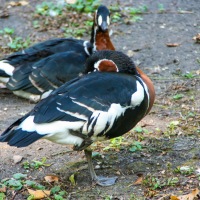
<point x="98" y="106"/>
<point x="47" y="65"/>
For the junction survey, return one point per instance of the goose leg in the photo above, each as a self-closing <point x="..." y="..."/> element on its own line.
<point x="103" y="181"/>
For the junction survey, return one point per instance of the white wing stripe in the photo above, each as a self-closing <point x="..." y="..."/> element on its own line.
<point x="83" y="105"/>
<point x="77" y="115"/>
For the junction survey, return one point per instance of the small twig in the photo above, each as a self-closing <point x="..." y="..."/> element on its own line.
<point x="63" y="152"/>
<point x="14" y="196"/>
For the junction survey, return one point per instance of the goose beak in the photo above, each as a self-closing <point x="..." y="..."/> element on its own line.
<point x="104" y="26"/>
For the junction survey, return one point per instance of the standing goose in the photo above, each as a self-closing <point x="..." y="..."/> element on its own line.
<point x="95" y="107"/>
<point x="47" y="65"/>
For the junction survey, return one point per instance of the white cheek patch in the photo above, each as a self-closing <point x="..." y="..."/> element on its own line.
<point x="108" y="20"/>
<point x="100" y="20"/>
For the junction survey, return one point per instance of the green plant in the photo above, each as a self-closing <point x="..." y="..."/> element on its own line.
<point x="31" y="197"/>
<point x="136" y="146"/>
<point x="136" y="18"/>
<point x="35" y="164"/>
<point x="108" y="197"/>
<point x="13" y="184"/>
<point x="185" y="170"/>
<point x="78" y="32"/>
<point x="58" y="193"/>
<point x="2" y="196"/>
<point x="116" y="17"/>
<point x="171" y="128"/>
<point x="188" y="75"/>
<point x="156" y="183"/>
<point x="139" y="10"/>
<point x="161" y="7"/>
<point x="34" y="185"/>
<point x="49" y="9"/>
<point x="8" y="31"/>
<point x="178" y="96"/>
<point x="115" y="143"/>
<point x="36" y="24"/>
<point x="139" y="129"/>
<point x="86" y="6"/>
<point x="134" y="12"/>
<point x="88" y="23"/>
<point x="18" y="43"/>
<point x="19" y="176"/>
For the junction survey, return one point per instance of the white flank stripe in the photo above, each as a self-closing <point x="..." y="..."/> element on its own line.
<point x="77" y="115"/>
<point x="138" y="96"/>
<point x="103" y="118"/>
<point x="6" y="67"/>
<point x="57" y="131"/>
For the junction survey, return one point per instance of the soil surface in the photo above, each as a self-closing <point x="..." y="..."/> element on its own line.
<point x="166" y="159"/>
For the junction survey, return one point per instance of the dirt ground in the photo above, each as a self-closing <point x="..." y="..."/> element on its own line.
<point x="169" y="135"/>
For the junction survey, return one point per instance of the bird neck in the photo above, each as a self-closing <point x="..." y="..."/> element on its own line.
<point x="150" y="86"/>
<point x="100" y="40"/>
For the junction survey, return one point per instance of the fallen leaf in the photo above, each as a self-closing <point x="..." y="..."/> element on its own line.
<point x="173" y="44"/>
<point x="23" y="3"/>
<point x="4" y="13"/>
<point x="17" y="158"/>
<point x="190" y="196"/>
<point x="51" y="178"/>
<point x="166" y="197"/>
<point x="174" y="198"/>
<point x="138" y="181"/>
<point x="72" y="179"/>
<point x="198" y="72"/>
<point x="130" y="53"/>
<point x="39" y="194"/>
<point x="71" y="1"/>
<point x="19" y="3"/>
<point x="3" y="189"/>
<point x="197" y="38"/>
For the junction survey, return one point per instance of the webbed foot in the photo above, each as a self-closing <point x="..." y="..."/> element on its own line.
<point x="105" y="181"/>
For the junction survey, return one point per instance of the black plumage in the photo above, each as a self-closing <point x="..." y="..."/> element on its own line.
<point x="36" y="71"/>
<point x="93" y="107"/>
